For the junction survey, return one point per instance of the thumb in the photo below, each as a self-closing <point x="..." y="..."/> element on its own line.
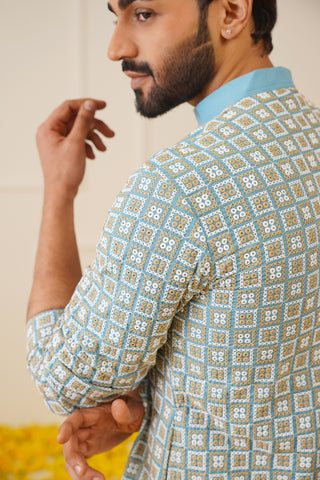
<point x="127" y="415"/>
<point x="83" y="120"/>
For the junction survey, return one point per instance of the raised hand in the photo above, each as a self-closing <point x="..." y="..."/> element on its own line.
<point x="90" y="431"/>
<point x="66" y="139"/>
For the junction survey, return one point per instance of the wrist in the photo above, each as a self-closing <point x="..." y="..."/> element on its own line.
<point x="58" y="211"/>
<point x="59" y="196"/>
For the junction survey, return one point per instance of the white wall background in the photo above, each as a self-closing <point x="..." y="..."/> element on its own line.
<point x="53" y="50"/>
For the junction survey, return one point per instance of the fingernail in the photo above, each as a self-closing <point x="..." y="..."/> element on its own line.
<point x="88" y="105"/>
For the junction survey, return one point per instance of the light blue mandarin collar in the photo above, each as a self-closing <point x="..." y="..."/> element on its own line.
<point x="252" y="83"/>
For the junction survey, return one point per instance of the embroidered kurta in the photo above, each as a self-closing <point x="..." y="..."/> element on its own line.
<point x="205" y="292"/>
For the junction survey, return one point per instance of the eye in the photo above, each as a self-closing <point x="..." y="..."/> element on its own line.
<point x="143" y="16"/>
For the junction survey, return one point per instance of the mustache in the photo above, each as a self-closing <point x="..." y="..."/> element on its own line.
<point x="131" y="66"/>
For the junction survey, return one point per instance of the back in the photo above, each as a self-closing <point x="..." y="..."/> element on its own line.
<point x="243" y="356"/>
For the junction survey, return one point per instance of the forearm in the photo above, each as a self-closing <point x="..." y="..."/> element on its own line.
<point x="57" y="268"/>
<point x="63" y="146"/>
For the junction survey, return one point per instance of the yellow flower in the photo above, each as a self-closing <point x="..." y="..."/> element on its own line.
<point x="32" y="453"/>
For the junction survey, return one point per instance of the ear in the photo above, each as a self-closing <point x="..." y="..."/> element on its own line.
<point x="237" y="15"/>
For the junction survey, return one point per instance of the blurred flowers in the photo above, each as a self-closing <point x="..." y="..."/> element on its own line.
<point x="32" y="453"/>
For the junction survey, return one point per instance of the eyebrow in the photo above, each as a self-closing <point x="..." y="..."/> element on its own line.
<point x="123" y="4"/>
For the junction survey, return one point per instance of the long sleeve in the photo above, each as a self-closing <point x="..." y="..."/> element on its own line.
<point x="149" y="263"/>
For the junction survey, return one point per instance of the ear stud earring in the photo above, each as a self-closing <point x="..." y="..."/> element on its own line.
<point x="228" y="32"/>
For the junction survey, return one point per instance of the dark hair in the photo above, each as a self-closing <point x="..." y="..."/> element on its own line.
<point x="264" y="13"/>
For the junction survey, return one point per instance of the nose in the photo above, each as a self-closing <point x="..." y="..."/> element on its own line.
<point x="121" y="45"/>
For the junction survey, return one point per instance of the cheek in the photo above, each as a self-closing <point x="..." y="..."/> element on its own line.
<point x="154" y="47"/>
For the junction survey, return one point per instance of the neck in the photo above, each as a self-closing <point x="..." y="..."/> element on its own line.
<point x="235" y="67"/>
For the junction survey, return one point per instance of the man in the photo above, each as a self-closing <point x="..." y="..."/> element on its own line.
<point x="204" y="296"/>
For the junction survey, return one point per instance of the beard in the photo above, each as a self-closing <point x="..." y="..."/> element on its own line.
<point x="186" y="70"/>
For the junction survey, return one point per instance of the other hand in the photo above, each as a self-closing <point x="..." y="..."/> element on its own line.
<point x="90" y="431"/>
<point x="66" y="139"/>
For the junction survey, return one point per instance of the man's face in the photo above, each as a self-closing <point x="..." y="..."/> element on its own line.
<point x="165" y="48"/>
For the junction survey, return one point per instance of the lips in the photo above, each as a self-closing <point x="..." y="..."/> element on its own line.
<point x="137" y="79"/>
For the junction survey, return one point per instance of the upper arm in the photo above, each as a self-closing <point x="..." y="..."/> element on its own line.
<point x="149" y="263"/>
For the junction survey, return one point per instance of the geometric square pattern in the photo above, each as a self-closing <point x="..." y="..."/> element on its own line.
<point x="205" y="293"/>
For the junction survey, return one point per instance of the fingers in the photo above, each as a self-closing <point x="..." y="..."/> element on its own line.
<point x="83" y="128"/>
<point x="83" y="121"/>
<point x="96" y="140"/>
<point x="75" y="434"/>
<point x="76" y="118"/>
<point x="86" y="121"/>
<point x="76" y="472"/>
<point x="84" y="434"/>
<point x="76" y="463"/>
<point x="74" y="454"/>
<point x="73" y="127"/>
<point x="80" y="419"/>
<point x="70" y="108"/>
<point x="74" y="457"/>
<point x="103" y="128"/>
<point x="73" y="423"/>
<point x="89" y="152"/>
<point x="65" y="432"/>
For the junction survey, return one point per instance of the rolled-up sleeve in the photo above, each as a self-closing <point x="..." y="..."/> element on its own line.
<point x="151" y="260"/>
